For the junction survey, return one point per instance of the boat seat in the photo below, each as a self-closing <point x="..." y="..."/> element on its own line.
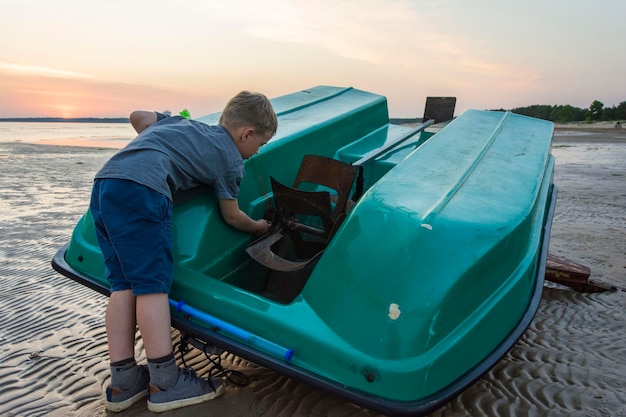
<point x="305" y="221"/>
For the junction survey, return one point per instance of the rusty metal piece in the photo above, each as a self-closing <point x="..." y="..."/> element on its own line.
<point x="330" y="173"/>
<point x="290" y="201"/>
<point x="262" y="252"/>
<point x="574" y="275"/>
<point x="293" y="202"/>
<point x="297" y="226"/>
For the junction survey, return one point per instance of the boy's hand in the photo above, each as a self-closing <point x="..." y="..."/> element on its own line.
<point x="240" y="220"/>
<point x="141" y="119"/>
<point x="263" y="227"/>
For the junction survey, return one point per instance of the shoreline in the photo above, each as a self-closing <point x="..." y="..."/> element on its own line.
<point x="562" y="134"/>
<point x="589" y="133"/>
<point x="570" y="136"/>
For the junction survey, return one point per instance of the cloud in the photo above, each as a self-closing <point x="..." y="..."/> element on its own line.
<point x="360" y="30"/>
<point x="394" y="34"/>
<point x="33" y="70"/>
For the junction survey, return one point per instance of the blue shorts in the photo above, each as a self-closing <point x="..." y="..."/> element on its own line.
<point x="134" y="230"/>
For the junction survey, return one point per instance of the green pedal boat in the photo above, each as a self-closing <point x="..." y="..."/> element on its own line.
<point x="402" y="263"/>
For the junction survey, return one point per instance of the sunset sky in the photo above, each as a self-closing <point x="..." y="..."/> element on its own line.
<point x="84" y="58"/>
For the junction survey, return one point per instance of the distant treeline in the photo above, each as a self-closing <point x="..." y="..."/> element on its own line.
<point x="558" y="114"/>
<point x="563" y="114"/>
<point x="69" y="120"/>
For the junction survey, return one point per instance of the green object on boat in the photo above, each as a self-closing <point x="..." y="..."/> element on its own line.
<point x="185" y="113"/>
<point x="434" y="274"/>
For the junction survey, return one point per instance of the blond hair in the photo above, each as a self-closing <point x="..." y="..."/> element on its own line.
<point x="250" y="109"/>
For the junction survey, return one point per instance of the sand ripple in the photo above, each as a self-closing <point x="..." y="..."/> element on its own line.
<point x="53" y="353"/>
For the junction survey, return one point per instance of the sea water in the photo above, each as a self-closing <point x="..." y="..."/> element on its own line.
<point x="109" y="135"/>
<point x="589" y="153"/>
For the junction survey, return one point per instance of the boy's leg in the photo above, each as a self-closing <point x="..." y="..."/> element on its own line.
<point x="128" y="381"/>
<point x="153" y="318"/>
<point x="120" y="325"/>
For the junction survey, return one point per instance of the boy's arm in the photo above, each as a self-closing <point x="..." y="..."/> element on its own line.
<point x="240" y="220"/>
<point x="141" y="119"/>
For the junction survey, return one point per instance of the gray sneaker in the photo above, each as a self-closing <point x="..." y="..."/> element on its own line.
<point x="189" y="390"/>
<point x="119" y="400"/>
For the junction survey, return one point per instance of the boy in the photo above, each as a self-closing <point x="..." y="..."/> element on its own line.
<point x="132" y="207"/>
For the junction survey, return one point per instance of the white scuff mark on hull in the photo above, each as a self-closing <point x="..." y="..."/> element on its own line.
<point x="394" y="311"/>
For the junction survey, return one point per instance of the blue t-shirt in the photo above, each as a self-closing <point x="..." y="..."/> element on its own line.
<point x="175" y="155"/>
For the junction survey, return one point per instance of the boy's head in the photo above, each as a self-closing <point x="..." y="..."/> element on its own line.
<point x="248" y="109"/>
<point x="251" y="121"/>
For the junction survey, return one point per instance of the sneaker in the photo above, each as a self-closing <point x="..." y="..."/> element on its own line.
<point x="119" y="400"/>
<point x="189" y="390"/>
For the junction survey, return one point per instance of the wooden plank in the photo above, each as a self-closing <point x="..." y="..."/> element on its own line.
<point x="574" y="275"/>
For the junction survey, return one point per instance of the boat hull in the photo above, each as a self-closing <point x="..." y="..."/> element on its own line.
<point x="434" y="275"/>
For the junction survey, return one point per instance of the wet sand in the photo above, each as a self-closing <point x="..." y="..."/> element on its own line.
<point x="53" y="355"/>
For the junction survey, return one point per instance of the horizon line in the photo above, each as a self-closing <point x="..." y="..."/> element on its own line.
<point x="113" y="119"/>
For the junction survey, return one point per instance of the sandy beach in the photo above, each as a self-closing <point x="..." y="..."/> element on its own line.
<point x="53" y="353"/>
